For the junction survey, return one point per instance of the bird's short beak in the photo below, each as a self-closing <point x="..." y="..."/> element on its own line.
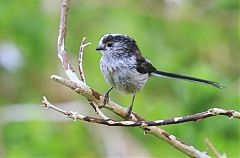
<point x="99" y="48"/>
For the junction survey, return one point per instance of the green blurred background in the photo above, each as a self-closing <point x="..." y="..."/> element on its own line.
<point x="196" y="38"/>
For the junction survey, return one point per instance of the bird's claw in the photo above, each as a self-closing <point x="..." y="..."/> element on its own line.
<point x="129" y="112"/>
<point x="106" y="99"/>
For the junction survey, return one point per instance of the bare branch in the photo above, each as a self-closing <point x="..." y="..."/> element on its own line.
<point x="62" y="55"/>
<point x="185" y="148"/>
<point x="75" y="116"/>
<point x="111" y="122"/>
<point x="63" y="24"/>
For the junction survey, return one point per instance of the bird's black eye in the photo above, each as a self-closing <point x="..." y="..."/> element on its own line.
<point x="109" y="44"/>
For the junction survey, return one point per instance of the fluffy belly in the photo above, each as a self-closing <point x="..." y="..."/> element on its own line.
<point x="124" y="79"/>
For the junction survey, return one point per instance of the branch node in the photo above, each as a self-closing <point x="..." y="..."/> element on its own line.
<point x="73" y="115"/>
<point x="78" y="90"/>
<point x="45" y="103"/>
<point x="146" y="131"/>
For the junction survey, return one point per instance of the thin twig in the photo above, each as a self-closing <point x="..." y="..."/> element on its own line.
<point x="215" y="151"/>
<point x="111" y="122"/>
<point x="63" y="24"/>
<point x="75" y="116"/>
<point x="62" y="55"/>
<point x="80" y="58"/>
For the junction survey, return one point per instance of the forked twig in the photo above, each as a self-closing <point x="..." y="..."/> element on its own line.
<point x="82" y="77"/>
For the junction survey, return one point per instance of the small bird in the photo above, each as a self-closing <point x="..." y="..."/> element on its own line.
<point x="126" y="70"/>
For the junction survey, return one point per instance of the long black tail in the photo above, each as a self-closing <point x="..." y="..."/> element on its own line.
<point x="182" y="77"/>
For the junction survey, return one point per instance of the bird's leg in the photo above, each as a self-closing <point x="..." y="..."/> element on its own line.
<point x="130" y="108"/>
<point x="106" y="97"/>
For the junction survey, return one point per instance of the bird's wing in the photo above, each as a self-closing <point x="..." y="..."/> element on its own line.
<point x="143" y="65"/>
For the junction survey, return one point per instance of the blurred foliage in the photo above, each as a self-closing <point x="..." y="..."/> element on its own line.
<point x="196" y="38"/>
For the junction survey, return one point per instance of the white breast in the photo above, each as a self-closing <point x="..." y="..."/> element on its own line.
<point x="122" y="74"/>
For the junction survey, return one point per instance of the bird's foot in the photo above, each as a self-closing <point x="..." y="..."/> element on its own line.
<point x="128" y="115"/>
<point x="106" y="99"/>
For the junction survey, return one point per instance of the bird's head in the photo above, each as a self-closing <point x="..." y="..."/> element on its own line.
<point x="116" y="44"/>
